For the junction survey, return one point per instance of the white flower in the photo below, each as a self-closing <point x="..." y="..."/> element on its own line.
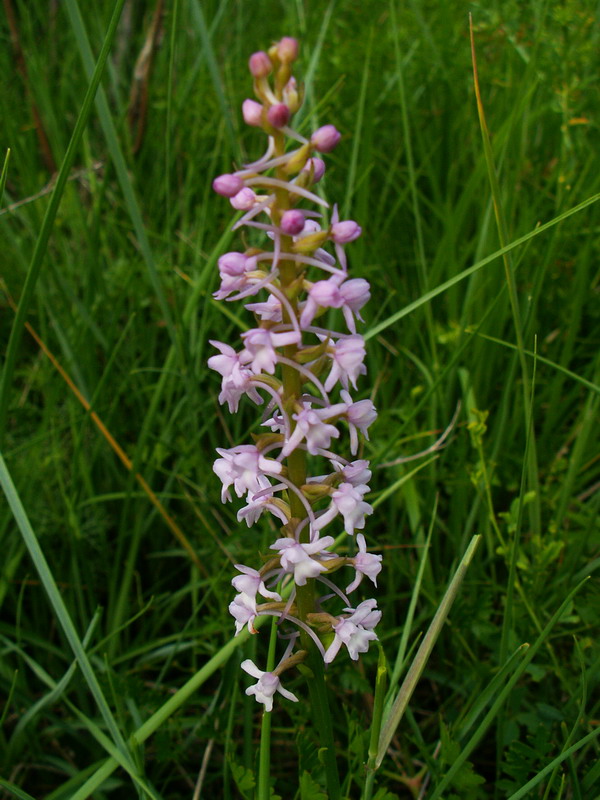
<point x="347" y="356"/>
<point x="270" y="310"/>
<point x="233" y="389"/>
<point x="244" y="467"/>
<point x="347" y="500"/>
<point x="261" y="343"/>
<point x="251" y="582"/>
<point x="243" y="609"/>
<point x="296" y="557"/>
<point x="227" y="363"/>
<point x="364" y="614"/>
<point x="236" y="377"/>
<point x="267" y="685"/>
<point x="356" y="472"/>
<point x="322" y="294"/>
<point x="350" y="296"/>
<point x="310" y="426"/>
<point x="355" y="631"/>
<point x="365" y="563"/>
<point x="355" y="293"/>
<point x="254" y="509"/>
<point x="359" y="415"/>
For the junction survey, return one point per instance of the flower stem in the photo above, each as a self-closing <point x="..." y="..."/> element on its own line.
<point x="322" y="720"/>
<point x="264" y="758"/>
<point x="292" y="381"/>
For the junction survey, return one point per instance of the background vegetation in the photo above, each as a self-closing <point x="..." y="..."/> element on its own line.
<point x="123" y="302"/>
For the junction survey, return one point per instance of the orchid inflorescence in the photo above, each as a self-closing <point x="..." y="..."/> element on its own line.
<point x="294" y="364"/>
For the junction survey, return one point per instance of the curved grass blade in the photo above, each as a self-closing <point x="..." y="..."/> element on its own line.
<point x="558" y="367"/>
<point x="402" y="648"/>
<point x="115" y="446"/>
<point x="15" y="790"/>
<point x="524" y="790"/>
<point x="57" y="688"/>
<point x="50" y="215"/>
<point x="199" y="22"/>
<point x="404" y="312"/>
<point x="168" y="708"/>
<point x="60" y="609"/>
<point x="116" y="154"/>
<point x="498" y="703"/>
<point x="490" y="690"/>
<point x="4" y="174"/>
<point x="418" y="665"/>
<point x="380" y="685"/>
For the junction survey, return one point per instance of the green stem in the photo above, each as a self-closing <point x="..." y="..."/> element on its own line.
<point x="264" y="758"/>
<point x="380" y="686"/>
<point x="322" y="720"/>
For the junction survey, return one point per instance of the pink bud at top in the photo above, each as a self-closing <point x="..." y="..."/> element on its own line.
<point x="252" y="113"/>
<point x="260" y="64"/>
<point x="243" y="200"/>
<point x="292" y="222"/>
<point x="325" y="138"/>
<point x="228" y="185"/>
<point x="345" y="231"/>
<point x="287" y="49"/>
<point x="278" y="115"/>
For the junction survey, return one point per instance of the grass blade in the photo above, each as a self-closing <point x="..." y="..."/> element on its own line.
<point x="524" y="790"/>
<point x="95" y="75"/>
<point x="489" y="717"/>
<point x="60" y="609"/>
<point x="116" y="153"/>
<point x="423" y="653"/>
<point x="443" y="287"/>
<point x="532" y="466"/>
<point x="14" y="790"/>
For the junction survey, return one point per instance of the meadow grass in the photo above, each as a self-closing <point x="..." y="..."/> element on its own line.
<point x="119" y="674"/>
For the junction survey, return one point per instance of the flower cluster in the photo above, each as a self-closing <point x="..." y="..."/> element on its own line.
<point x="291" y="363"/>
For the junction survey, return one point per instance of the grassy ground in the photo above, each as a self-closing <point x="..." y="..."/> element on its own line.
<point x="121" y="295"/>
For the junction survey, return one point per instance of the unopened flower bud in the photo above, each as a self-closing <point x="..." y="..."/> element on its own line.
<point x="228" y="185"/>
<point x="345" y="231"/>
<point x="252" y="113"/>
<point x="260" y="64"/>
<point x="292" y="222"/>
<point x="317" y="167"/>
<point x="233" y="264"/>
<point x="244" y="200"/>
<point x="325" y="138"/>
<point x="278" y="115"/>
<point x="287" y="49"/>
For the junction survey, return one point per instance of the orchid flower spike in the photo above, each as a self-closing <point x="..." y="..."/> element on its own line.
<point x="288" y="362"/>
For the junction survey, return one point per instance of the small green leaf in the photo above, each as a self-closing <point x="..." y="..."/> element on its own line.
<point x="310" y="789"/>
<point x="244" y="780"/>
<point x="383" y="794"/>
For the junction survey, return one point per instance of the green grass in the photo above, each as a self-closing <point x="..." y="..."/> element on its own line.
<point x="118" y="675"/>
